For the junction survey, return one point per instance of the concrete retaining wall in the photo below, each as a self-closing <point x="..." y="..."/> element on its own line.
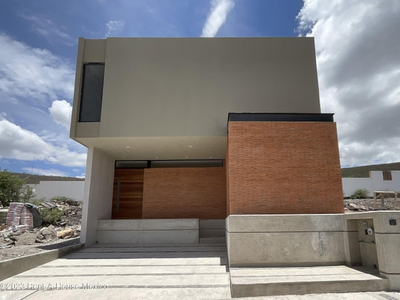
<point x="285" y="240"/>
<point x="15" y="266"/>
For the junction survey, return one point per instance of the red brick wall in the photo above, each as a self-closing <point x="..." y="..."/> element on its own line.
<point x="283" y="168"/>
<point x="184" y="193"/>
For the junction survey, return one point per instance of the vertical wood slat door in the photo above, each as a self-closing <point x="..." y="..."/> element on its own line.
<point x="128" y="185"/>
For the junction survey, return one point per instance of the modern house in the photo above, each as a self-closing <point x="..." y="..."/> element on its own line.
<point x="198" y="137"/>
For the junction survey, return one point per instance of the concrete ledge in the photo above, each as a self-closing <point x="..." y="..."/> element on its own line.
<point x="149" y="224"/>
<point x="285" y="223"/>
<point x="15" y="266"/>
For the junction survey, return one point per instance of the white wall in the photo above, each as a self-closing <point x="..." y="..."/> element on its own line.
<point x="97" y="203"/>
<point x="50" y="189"/>
<point x="374" y="183"/>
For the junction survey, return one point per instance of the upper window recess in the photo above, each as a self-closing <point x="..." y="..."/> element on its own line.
<point x="92" y="92"/>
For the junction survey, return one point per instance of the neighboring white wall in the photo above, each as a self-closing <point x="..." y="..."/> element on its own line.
<point x="374" y="183"/>
<point x="97" y="203"/>
<point x="50" y="189"/>
<point x="350" y="185"/>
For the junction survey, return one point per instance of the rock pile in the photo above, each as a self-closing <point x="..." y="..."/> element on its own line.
<point x="360" y="205"/>
<point x="13" y="234"/>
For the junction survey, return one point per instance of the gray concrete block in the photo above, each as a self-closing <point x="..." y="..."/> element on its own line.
<point x="388" y="250"/>
<point x="381" y="222"/>
<point x="286" y="249"/>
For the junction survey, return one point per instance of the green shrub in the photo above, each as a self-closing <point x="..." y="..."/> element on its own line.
<point x="51" y="216"/>
<point x="10" y="188"/>
<point x="360" y="194"/>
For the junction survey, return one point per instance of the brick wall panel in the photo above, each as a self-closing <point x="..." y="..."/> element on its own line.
<point x="170" y="193"/>
<point x="283" y="168"/>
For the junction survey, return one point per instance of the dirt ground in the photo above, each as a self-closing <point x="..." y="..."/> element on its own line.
<point x="24" y="250"/>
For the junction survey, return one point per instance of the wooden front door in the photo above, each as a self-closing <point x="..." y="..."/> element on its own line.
<point x="128" y="194"/>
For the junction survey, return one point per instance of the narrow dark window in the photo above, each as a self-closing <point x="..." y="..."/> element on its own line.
<point x="387" y="175"/>
<point x="92" y="93"/>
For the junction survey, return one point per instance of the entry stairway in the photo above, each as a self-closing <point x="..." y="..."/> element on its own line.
<point x="185" y="271"/>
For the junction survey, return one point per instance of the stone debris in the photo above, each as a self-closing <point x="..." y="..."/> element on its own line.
<point x="360" y="205"/>
<point x="19" y="228"/>
<point x="66" y="233"/>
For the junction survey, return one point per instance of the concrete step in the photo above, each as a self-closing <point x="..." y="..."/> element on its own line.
<point x="124" y="270"/>
<point x="205" y="243"/>
<point x="132" y="273"/>
<point x="154" y="249"/>
<point x="255" y="282"/>
<point x="123" y="294"/>
<point x="125" y="255"/>
<point x="178" y="261"/>
<point x="124" y="280"/>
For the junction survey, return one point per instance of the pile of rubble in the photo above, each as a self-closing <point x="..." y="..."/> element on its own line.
<point x="360" y="205"/>
<point x="21" y="227"/>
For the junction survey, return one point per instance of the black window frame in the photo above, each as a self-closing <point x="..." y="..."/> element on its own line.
<point x="98" y="118"/>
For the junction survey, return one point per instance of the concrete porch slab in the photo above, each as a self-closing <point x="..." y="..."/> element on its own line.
<point x="252" y="282"/>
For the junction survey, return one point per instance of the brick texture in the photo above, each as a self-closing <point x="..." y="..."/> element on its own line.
<point x="184" y="193"/>
<point x="283" y="168"/>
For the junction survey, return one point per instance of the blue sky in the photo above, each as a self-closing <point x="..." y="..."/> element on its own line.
<point x="357" y="45"/>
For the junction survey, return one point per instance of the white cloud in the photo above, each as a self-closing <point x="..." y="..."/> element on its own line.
<point x="216" y="17"/>
<point x="22" y="144"/>
<point x="60" y="111"/>
<point x="114" y="27"/>
<point x="357" y="45"/>
<point x="32" y="73"/>
<point x="47" y="172"/>
<point x="46" y="28"/>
